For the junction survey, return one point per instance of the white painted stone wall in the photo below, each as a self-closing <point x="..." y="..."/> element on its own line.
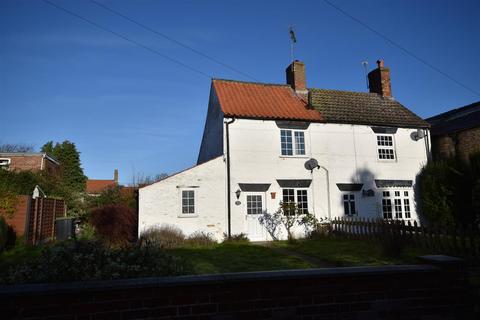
<point x="161" y="202"/>
<point x="347" y="152"/>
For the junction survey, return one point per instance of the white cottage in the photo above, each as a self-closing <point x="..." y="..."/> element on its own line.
<point x="257" y="149"/>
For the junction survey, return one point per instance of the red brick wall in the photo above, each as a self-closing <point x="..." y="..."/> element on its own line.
<point x="51" y="167"/>
<point x="18" y="220"/>
<point x="463" y="144"/>
<point x="468" y="142"/>
<point x="22" y="163"/>
<point x="393" y="292"/>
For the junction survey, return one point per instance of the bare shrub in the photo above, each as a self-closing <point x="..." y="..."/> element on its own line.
<point x="240" y="237"/>
<point x="201" y="238"/>
<point x="166" y="236"/>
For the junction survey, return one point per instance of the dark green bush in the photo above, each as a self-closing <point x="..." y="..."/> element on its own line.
<point x="7" y="235"/>
<point x="93" y="260"/>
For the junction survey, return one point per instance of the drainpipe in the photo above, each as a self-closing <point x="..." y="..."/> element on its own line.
<point x="229" y="206"/>
<point x="328" y="192"/>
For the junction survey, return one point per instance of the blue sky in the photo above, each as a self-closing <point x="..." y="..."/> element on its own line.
<point x="127" y="108"/>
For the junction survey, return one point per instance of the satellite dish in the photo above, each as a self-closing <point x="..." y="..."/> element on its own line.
<point x="311" y="164"/>
<point x="417" y="135"/>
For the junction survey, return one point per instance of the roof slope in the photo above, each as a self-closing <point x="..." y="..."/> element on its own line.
<point x="97" y="186"/>
<point x="274" y="101"/>
<point x="363" y="108"/>
<point x="456" y="120"/>
<point x="260" y="100"/>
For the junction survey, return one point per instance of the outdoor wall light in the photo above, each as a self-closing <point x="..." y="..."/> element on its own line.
<point x="272" y="194"/>
<point x="238" y="193"/>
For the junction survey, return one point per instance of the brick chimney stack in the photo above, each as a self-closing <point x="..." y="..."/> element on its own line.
<point x="115" y="176"/>
<point x="296" y="77"/>
<point x="379" y="80"/>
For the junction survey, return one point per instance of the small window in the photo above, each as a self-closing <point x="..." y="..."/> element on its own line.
<point x="254" y="204"/>
<point x="386" y="148"/>
<point x="396" y="204"/>
<point x="5" y="163"/>
<point x="188" y="201"/>
<point x="291" y="146"/>
<point x="349" y="204"/>
<point x="301" y="196"/>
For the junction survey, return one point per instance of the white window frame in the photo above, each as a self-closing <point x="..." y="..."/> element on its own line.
<point x="349" y="198"/>
<point x="5" y="165"/>
<point x="384" y="146"/>
<point x="182" y="206"/>
<point x="296" y="194"/>
<point x="294" y="143"/>
<point x="400" y="203"/>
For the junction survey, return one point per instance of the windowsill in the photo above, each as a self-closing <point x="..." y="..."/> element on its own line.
<point x="295" y="157"/>
<point x="387" y="160"/>
<point x="188" y="215"/>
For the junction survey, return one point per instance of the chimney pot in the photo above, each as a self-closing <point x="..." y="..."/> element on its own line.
<point x="115" y="176"/>
<point x="379" y="80"/>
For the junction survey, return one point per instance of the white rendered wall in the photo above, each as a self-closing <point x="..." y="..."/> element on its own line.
<point x="348" y="152"/>
<point x="212" y="140"/>
<point x="160" y="203"/>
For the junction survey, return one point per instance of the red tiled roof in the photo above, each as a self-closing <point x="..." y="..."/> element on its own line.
<point x="97" y="186"/>
<point x="265" y="101"/>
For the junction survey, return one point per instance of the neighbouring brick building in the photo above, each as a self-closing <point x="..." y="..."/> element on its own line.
<point x="456" y="132"/>
<point x="29" y="161"/>
<point x="96" y="186"/>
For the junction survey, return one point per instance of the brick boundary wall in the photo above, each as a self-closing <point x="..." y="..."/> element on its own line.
<point x="437" y="290"/>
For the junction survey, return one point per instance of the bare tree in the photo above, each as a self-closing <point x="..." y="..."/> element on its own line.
<point x="16" y="147"/>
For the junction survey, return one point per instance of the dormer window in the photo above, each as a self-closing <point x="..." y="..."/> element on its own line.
<point x="385" y="147"/>
<point x="293" y="142"/>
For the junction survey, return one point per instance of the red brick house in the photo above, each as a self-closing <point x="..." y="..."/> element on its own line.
<point x="96" y="186"/>
<point x="456" y="133"/>
<point x="29" y="161"/>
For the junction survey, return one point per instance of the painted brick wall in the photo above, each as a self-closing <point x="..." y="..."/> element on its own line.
<point x="391" y="292"/>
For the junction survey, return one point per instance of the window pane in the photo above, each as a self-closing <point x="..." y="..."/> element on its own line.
<point x="346" y="208"/>
<point x="254" y="204"/>
<point x="387" y="208"/>
<point x="286" y="141"/>
<point x="302" y="200"/>
<point x="288" y="195"/>
<point x="398" y="208"/>
<point x="299" y="142"/>
<point x="188" y="201"/>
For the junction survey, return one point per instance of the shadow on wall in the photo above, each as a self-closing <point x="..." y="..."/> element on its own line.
<point x="367" y="179"/>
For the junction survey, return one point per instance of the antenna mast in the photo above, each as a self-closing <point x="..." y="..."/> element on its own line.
<point x="365" y="64"/>
<point x="293" y="40"/>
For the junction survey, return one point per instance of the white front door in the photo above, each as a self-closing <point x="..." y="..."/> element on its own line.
<point x="255" y="206"/>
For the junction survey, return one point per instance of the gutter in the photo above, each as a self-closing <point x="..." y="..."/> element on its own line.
<point x="229" y="201"/>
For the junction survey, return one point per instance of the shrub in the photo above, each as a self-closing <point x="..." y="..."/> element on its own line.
<point x="115" y="223"/>
<point x="8" y="236"/>
<point x="93" y="260"/>
<point x="201" y="238"/>
<point x="321" y="230"/>
<point x="240" y="237"/>
<point x="164" y="236"/>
